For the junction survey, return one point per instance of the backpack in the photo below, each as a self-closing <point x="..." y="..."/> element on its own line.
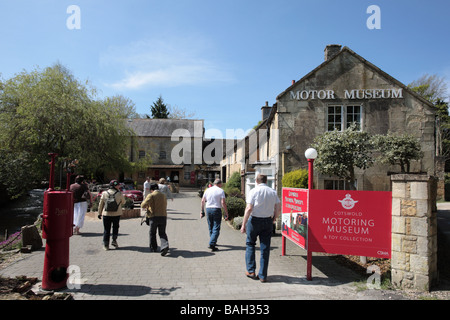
<point x="111" y="204"/>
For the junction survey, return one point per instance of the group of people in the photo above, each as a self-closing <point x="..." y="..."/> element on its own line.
<point x="110" y="210"/>
<point x="155" y="204"/>
<point x="262" y="209"/>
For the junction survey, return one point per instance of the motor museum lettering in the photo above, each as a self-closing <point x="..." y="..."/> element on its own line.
<point x="353" y="94"/>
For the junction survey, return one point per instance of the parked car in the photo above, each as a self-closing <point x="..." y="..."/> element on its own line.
<point x="128" y="191"/>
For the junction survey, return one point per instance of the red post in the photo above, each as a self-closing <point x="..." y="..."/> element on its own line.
<point x="308" y="252"/>
<point x="51" y="182"/>
<point x="57" y="220"/>
<point x="283" y="245"/>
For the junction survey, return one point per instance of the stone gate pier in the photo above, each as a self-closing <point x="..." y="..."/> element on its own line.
<point x="414" y="231"/>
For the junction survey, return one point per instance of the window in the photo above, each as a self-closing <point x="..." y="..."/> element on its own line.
<point x="335" y="118"/>
<point x="354" y="116"/>
<point x="162" y="155"/>
<point x="141" y="154"/>
<point x="340" y="117"/>
<point x="338" y="185"/>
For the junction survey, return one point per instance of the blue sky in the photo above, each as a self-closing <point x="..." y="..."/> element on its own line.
<point x="222" y="59"/>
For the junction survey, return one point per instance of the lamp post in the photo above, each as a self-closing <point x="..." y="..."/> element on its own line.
<point x="311" y="155"/>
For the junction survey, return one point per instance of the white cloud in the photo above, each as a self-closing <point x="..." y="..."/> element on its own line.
<point x="165" y="62"/>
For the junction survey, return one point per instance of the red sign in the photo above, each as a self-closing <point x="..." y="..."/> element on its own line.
<point x="295" y="215"/>
<point x="350" y="222"/>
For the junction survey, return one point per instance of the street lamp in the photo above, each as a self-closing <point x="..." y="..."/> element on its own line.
<point x="311" y="155"/>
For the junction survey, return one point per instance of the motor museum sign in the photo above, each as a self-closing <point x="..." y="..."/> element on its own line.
<point x="338" y="221"/>
<point x="351" y="94"/>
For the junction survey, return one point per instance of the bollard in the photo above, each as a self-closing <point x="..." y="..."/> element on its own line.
<point x="57" y="221"/>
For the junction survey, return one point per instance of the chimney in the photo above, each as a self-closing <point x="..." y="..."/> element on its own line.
<point x="331" y="50"/>
<point x="266" y="111"/>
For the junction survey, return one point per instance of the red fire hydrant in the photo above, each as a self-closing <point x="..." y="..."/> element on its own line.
<point x="57" y="221"/>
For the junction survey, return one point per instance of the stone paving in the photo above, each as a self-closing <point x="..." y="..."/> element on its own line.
<point x="191" y="271"/>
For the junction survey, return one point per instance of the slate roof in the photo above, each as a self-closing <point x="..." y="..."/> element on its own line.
<point x="165" y="127"/>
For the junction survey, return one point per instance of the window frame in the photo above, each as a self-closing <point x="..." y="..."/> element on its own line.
<point x="344" y="114"/>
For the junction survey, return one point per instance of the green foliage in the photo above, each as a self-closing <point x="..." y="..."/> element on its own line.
<point x="295" y="179"/>
<point x="398" y="150"/>
<point x="49" y="110"/>
<point x="234" y="181"/>
<point x="159" y="109"/>
<point x="129" y="203"/>
<point x="237" y="222"/>
<point x="233" y="192"/>
<point x="235" y="206"/>
<point x="340" y="152"/>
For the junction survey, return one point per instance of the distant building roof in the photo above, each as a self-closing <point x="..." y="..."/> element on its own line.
<point x="165" y="127"/>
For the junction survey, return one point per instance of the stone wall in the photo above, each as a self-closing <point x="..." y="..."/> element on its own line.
<point x="414" y="232"/>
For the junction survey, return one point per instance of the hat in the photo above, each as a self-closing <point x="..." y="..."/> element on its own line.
<point x="113" y="183"/>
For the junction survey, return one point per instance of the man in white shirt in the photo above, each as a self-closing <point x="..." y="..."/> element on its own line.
<point x="214" y="198"/>
<point x="263" y="208"/>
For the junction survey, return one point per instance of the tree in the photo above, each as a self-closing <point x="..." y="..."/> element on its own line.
<point x="398" y="150"/>
<point x="431" y="87"/>
<point x="180" y="113"/>
<point x="339" y="153"/>
<point x="49" y="110"/>
<point x="159" y="109"/>
<point x="434" y="89"/>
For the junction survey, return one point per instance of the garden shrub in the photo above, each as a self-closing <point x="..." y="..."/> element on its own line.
<point x="235" y="206"/>
<point x="295" y="179"/>
<point x="237" y="222"/>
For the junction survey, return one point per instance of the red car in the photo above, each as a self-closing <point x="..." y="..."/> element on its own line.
<point x="136" y="195"/>
<point x="127" y="191"/>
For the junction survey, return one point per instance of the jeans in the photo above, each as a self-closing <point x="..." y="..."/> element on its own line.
<point x="107" y="222"/>
<point x="158" y="224"/>
<point x="214" y="217"/>
<point x="262" y="228"/>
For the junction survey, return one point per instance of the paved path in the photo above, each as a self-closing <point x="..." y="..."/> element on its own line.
<point x="191" y="270"/>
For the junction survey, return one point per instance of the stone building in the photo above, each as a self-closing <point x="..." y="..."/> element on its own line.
<point x="344" y="89"/>
<point x="174" y="145"/>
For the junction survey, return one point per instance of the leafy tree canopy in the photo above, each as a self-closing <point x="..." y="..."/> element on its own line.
<point x="339" y="153"/>
<point x="49" y="110"/>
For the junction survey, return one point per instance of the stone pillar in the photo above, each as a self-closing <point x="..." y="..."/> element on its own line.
<point x="414" y="232"/>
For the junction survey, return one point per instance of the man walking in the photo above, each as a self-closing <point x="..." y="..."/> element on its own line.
<point x="110" y="207"/>
<point x="214" y="199"/>
<point x="263" y="208"/>
<point x="156" y="203"/>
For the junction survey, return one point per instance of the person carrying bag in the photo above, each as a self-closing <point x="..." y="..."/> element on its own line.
<point x="110" y="208"/>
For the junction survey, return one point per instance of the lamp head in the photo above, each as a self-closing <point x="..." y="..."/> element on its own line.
<point x="311" y="153"/>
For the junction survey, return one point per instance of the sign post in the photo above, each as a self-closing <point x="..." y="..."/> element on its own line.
<point x="343" y="222"/>
<point x="311" y="155"/>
